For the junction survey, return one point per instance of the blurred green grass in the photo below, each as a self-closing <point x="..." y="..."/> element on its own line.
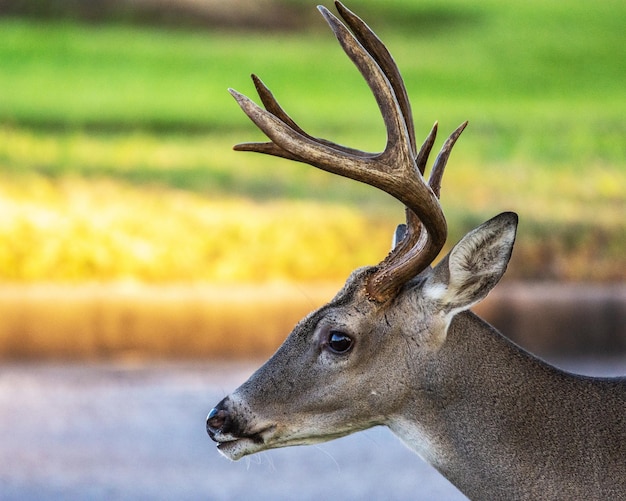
<point x="146" y="110"/>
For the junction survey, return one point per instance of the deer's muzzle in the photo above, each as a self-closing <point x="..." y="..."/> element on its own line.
<point x="228" y="429"/>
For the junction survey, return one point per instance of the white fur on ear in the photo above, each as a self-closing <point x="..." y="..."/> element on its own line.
<point x="435" y="290"/>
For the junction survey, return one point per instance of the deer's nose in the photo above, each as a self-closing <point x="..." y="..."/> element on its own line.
<point x="217" y="420"/>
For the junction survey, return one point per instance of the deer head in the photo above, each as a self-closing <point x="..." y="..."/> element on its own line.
<point x="372" y="355"/>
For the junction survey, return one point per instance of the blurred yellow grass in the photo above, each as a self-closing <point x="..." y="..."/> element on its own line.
<point x="76" y="230"/>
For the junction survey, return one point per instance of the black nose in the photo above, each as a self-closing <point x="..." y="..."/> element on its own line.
<point x="216" y="420"/>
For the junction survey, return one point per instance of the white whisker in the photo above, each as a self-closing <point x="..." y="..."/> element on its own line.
<point x="321" y="449"/>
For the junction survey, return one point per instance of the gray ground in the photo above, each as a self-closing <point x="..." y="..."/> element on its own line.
<point x="136" y="431"/>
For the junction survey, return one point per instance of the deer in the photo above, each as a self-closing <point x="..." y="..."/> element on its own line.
<point x="398" y="346"/>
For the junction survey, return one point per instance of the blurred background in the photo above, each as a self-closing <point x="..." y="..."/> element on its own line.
<point x="139" y="254"/>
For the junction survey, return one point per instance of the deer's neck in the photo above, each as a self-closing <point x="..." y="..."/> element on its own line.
<point x="461" y="386"/>
<point x="488" y="415"/>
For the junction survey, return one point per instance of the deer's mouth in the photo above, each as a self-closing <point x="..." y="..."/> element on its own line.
<point x="239" y="447"/>
<point x="236" y="447"/>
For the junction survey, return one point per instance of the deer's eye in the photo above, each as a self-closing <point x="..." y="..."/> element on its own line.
<point x="338" y="342"/>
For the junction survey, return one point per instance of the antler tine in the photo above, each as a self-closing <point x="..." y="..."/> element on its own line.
<point x="427" y="146"/>
<point x="384" y="59"/>
<point x="304" y="148"/>
<point x="272" y="106"/>
<point x="436" y="174"/>
<point x="398" y="140"/>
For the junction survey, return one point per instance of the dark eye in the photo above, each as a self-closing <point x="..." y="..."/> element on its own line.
<point x="338" y="342"/>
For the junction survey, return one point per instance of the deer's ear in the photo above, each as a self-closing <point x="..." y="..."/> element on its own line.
<point x="474" y="266"/>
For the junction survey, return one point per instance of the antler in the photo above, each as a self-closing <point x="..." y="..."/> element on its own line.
<point x="397" y="170"/>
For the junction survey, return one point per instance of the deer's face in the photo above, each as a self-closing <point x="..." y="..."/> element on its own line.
<point x="357" y="363"/>
<point x="342" y="369"/>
